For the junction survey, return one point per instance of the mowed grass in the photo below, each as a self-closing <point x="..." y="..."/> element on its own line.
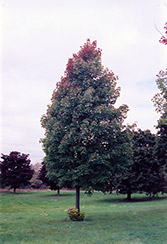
<point x="41" y="218"/>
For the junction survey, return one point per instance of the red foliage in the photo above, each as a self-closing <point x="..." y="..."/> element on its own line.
<point x="163" y="39"/>
<point x="70" y="64"/>
<point x="87" y="52"/>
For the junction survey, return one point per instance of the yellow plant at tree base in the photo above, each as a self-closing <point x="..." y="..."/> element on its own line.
<point x="75" y="215"/>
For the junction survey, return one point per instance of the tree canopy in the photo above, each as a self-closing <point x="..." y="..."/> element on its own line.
<point x="160" y="99"/>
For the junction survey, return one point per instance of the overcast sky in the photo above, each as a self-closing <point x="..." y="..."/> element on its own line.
<point x="38" y="37"/>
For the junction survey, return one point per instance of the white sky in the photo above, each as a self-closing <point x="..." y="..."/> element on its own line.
<point x="38" y="37"/>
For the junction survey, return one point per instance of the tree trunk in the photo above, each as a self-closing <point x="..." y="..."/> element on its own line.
<point x="14" y="190"/>
<point x="129" y="196"/>
<point x="77" y="204"/>
<point x="58" y="192"/>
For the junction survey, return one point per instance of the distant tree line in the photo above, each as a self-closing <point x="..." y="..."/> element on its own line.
<point x="17" y="172"/>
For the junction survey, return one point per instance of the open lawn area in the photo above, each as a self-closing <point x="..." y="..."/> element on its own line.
<point x="41" y="218"/>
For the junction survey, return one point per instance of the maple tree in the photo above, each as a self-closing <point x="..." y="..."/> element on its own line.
<point x="85" y="141"/>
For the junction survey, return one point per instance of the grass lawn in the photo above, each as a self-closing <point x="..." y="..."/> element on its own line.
<point x="41" y="218"/>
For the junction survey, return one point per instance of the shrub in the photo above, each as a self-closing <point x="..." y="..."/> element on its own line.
<point x="75" y="215"/>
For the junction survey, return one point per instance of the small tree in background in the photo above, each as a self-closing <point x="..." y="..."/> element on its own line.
<point x="85" y="141"/>
<point x="145" y="174"/>
<point x="43" y="177"/>
<point x="126" y="182"/>
<point x="35" y="182"/>
<point x="15" y="170"/>
<point x="148" y="170"/>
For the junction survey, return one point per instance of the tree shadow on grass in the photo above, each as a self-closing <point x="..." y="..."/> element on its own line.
<point x="17" y="193"/>
<point x="42" y="195"/>
<point x="133" y="200"/>
<point x="57" y="196"/>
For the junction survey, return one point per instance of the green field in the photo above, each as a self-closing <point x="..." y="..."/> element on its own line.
<point x="41" y="218"/>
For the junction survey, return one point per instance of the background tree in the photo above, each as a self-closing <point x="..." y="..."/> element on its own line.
<point x="160" y="102"/>
<point x="35" y="182"/>
<point x="15" y="170"/>
<point x="43" y="177"/>
<point x="145" y="174"/>
<point x="150" y="177"/>
<point x="85" y="142"/>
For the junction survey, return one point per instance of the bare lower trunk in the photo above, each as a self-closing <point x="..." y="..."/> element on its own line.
<point x="129" y="195"/>
<point x="77" y="204"/>
<point x="14" y="190"/>
<point x="58" y="192"/>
